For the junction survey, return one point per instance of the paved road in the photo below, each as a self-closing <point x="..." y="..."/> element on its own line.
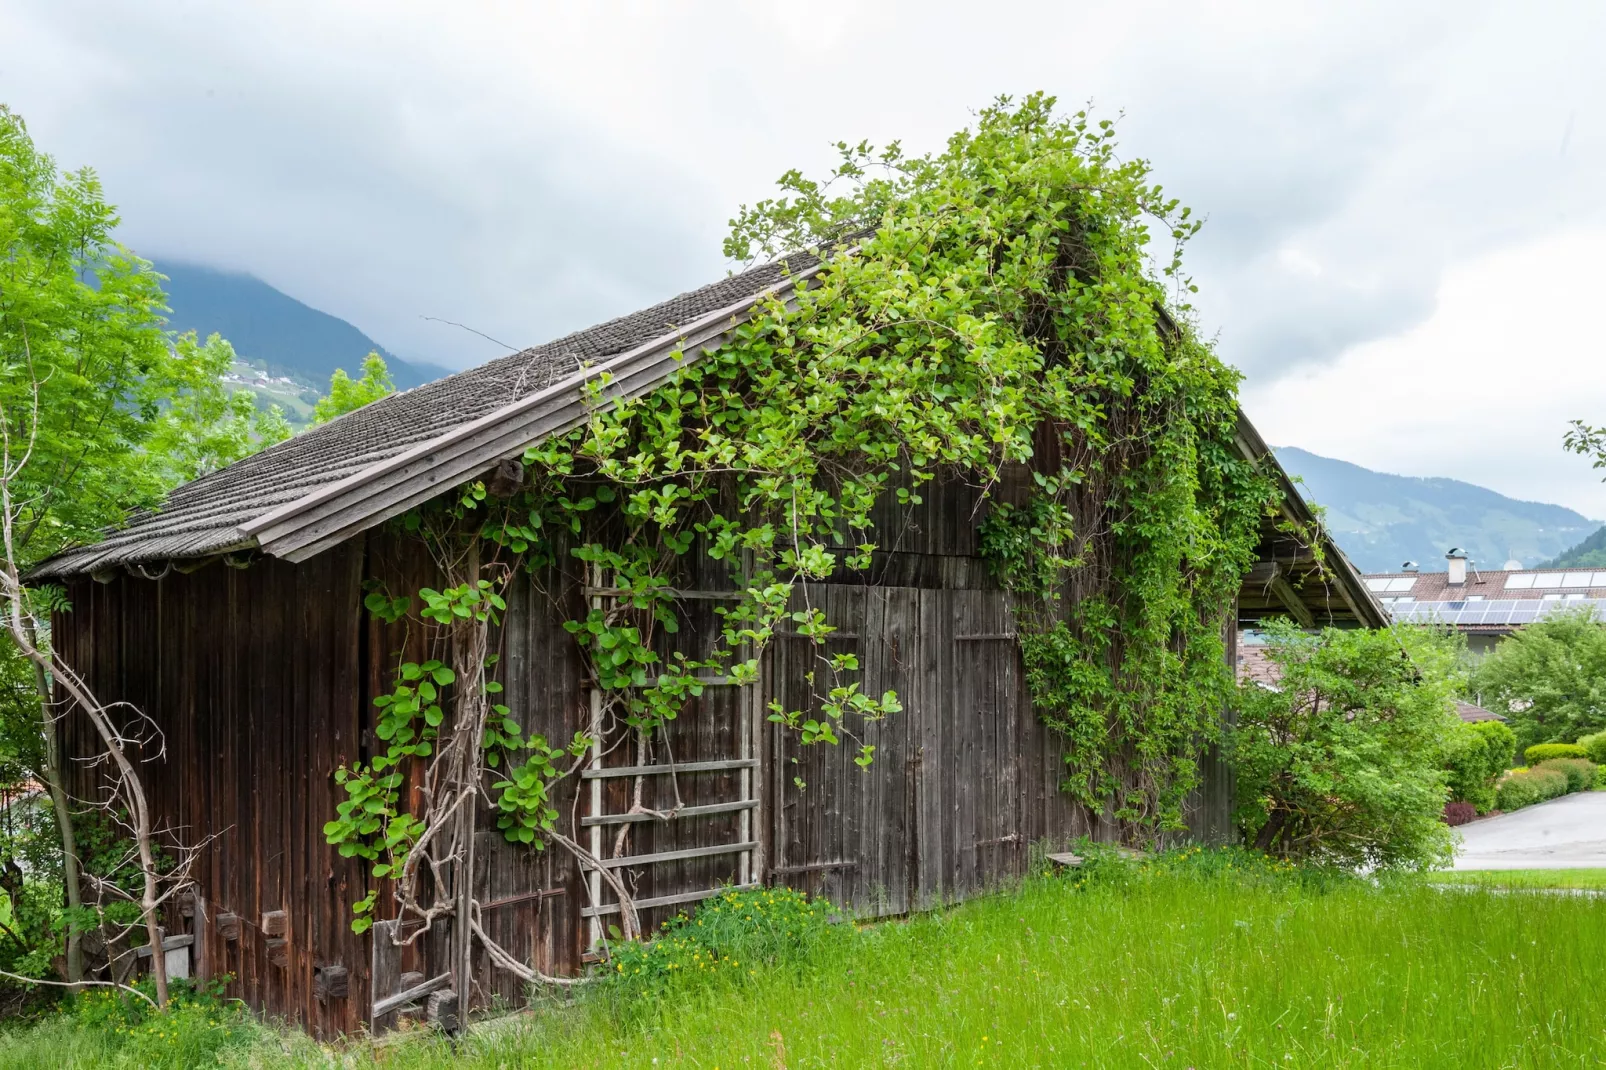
<point x="1564" y="833"/>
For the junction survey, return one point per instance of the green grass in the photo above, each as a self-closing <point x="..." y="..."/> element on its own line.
<point x="1161" y="970"/>
<point x="111" y="1031"/>
<point x="1524" y="878"/>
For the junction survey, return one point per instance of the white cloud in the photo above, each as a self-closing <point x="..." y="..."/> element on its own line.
<point x="1482" y="390"/>
<point x="530" y="169"/>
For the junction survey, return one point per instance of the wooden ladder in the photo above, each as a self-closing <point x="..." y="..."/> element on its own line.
<point x="745" y="805"/>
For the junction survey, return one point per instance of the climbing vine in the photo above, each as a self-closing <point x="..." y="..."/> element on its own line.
<point x="994" y="312"/>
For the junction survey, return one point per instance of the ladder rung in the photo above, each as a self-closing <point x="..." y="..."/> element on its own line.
<point x="667" y="900"/>
<point x="703" y="596"/>
<point x="687" y="811"/>
<point x="684" y="852"/>
<point x="723" y="765"/>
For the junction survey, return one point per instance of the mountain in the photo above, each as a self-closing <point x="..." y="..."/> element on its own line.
<point x="1591" y="553"/>
<point x="1382" y="520"/>
<point x="270" y="328"/>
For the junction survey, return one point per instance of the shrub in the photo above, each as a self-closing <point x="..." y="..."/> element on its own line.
<point x="727" y="938"/>
<point x="1475" y="756"/>
<point x="1529" y="787"/>
<point x="1459" y="813"/>
<point x="1594" y="747"/>
<point x="1342" y="765"/>
<point x="1580" y="774"/>
<point x="1544" y="752"/>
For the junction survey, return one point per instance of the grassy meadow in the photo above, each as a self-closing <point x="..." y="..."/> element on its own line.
<point x="1174" y="967"/>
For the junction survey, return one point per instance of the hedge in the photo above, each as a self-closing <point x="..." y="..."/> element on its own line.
<point x="1594" y="747"/>
<point x="1530" y="786"/>
<point x="1543" y="752"/>
<point x="1580" y="774"/>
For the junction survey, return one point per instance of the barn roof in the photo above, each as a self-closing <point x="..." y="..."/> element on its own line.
<point x="325" y="485"/>
<point x="306" y="493"/>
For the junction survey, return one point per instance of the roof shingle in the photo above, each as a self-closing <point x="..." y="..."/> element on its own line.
<point x="203" y="517"/>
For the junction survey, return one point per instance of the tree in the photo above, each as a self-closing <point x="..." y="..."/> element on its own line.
<point x="204" y="427"/>
<point x="104" y="412"/>
<point x="348" y="395"/>
<point x="1549" y="679"/>
<point x="1341" y="762"/>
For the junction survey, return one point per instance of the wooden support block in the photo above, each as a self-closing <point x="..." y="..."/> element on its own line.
<point x="279" y="952"/>
<point x="330" y="982"/>
<point x="443" y="1010"/>
<point x="410" y="979"/>
<point x="506" y="478"/>
<point x="228" y="925"/>
<point x="275" y="923"/>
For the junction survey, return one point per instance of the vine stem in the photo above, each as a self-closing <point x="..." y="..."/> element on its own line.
<point x="79" y="984"/>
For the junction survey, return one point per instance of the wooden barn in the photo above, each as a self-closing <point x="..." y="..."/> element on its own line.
<point x="234" y="617"/>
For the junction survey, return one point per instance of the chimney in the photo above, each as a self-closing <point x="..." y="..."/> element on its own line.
<point x="1457" y="558"/>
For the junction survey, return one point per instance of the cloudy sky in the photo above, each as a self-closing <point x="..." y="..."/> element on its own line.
<point x="1404" y="201"/>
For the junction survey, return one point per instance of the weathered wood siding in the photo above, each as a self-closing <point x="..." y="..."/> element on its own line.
<point x="253" y="678"/>
<point x="263" y="681"/>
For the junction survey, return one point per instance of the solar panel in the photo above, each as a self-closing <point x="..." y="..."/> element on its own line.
<point x="1576" y="579"/>
<point x="1598" y="580"/>
<point x="1404" y="583"/>
<point x="1377" y="585"/>
<point x="1549" y="579"/>
<point x="1521" y="582"/>
<point x="1501" y="612"/>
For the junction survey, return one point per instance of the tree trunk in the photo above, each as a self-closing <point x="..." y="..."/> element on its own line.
<point x="69" y="842"/>
<point x="129" y="784"/>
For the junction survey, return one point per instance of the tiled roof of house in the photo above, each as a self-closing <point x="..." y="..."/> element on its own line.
<point x="204" y="517"/>
<point x="1255" y="665"/>
<point x="1526" y="583"/>
<point x="1473" y="714"/>
<point x="1490" y="602"/>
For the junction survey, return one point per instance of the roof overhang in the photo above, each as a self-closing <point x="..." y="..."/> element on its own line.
<point x="1290" y="578"/>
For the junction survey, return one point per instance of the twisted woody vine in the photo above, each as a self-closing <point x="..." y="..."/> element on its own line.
<point x="990" y="309"/>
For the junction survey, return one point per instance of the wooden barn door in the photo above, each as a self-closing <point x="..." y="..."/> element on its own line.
<point x="938" y="814"/>
<point x="971" y="830"/>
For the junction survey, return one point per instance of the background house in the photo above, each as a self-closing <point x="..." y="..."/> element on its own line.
<point x="1486" y="605"/>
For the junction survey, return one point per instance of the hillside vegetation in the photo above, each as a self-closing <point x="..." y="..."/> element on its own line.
<point x="1591" y="553"/>
<point x="1381" y="520"/>
<point x="274" y="330"/>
